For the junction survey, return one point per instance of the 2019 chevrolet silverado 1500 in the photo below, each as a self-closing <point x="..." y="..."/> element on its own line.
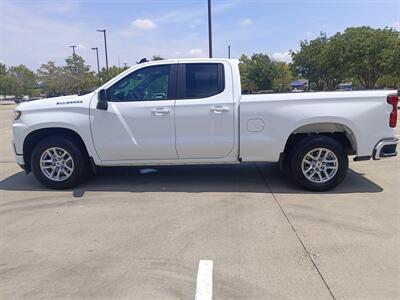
<point x="193" y="112"/>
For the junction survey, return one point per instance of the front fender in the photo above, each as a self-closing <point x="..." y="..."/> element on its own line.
<point x="76" y="120"/>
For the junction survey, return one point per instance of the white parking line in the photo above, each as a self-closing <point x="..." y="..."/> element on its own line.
<point x="204" y="280"/>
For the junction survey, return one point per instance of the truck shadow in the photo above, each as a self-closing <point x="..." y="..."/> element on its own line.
<point x="243" y="178"/>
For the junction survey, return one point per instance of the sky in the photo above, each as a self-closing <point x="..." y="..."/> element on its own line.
<point x="35" y="32"/>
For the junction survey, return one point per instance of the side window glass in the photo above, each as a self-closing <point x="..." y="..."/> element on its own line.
<point x="204" y="80"/>
<point x="147" y="84"/>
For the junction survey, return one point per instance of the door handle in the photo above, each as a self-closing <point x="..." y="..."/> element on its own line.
<point x="160" y="111"/>
<point x="219" y="109"/>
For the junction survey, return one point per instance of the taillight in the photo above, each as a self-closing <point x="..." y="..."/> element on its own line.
<point x="393" y="100"/>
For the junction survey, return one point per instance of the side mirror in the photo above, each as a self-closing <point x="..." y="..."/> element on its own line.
<point x="102" y="102"/>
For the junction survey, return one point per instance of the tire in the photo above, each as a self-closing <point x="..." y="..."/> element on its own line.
<point x="329" y="169"/>
<point x="74" y="163"/>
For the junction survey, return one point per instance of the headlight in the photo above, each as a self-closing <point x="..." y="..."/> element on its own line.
<point x="17" y="114"/>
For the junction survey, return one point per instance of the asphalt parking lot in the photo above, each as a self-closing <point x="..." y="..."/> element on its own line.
<point x="124" y="235"/>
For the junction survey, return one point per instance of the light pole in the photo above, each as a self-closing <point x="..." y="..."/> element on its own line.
<point x="73" y="49"/>
<point x="74" y="62"/>
<point x="98" y="64"/>
<point x="209" y="30"/>
<point x="105" y="47"/>
<point x="229" y="51"/>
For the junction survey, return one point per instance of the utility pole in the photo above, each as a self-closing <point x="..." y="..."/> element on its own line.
<point x="98" y="63"/>
<point x="73" y="49"/>
<point x="229" y="51"/>
<point x="209" y="30"/>
<point x="105" y="47"/>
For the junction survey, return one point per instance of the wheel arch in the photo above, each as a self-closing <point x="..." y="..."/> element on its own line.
<point x="34" y="137"/>
<point x="338" y="131"/>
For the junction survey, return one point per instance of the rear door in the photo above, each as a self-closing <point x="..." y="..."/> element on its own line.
<point x="204" y="111"/>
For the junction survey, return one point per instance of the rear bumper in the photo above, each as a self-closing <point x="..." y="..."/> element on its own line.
<point x="385" y="148"/>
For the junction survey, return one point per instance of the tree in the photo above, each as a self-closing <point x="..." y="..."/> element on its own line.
<point x="394" y="57"/>
<point x="157" y="57"/>
<point x="3" y="70"/>
<point x="112" y="72"/>
<point x="7" y="83"/>
<point x="52" y="79"/>
<point x="244" y="66"/>
<point x="3" y="74"/>
<point x="389" y="81"/>
<point x="21" y="80"/>
<point x="78" y="76"/>
<point x="371" y="53"/>
<point x="321" y="61"/>
<point x="256" y="72"/>
<point x="282" y="77"/>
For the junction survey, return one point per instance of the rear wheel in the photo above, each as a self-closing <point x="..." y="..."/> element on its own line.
<point x="59" y="163"/>
<point x="318" y="163"/>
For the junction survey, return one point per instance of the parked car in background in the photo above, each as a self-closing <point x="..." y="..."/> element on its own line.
<point x="19" y="100"/>
<point x="348" y="86"/>
<point x="265" y="92"/>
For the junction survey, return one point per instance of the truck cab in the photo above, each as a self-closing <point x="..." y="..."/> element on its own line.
<point x="168" y="111"/>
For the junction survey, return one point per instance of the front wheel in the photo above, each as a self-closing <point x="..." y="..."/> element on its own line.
<point x="318" y="163"/>
<point x="59" y="163"/>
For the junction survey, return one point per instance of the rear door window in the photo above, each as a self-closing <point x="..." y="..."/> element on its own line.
<point x="200" y="80"/>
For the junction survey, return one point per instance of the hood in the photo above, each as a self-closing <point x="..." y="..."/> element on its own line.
<point x="56" y="103"/>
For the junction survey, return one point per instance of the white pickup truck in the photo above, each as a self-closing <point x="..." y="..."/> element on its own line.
<point x="193" y="112"/>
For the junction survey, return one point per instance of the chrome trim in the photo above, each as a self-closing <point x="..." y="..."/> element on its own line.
<point x="382" y="143"/>
<point x="19" y="159"/>
<point x="15" y="149"/>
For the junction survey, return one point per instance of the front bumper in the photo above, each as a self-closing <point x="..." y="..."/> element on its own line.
<point x="385" y="148"/>
<point x="20" y="161"/>
<point x="19" y="158"/>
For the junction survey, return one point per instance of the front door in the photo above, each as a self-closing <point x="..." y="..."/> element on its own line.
<point x="139" y="122"/>
<point x="204" y="111"/>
